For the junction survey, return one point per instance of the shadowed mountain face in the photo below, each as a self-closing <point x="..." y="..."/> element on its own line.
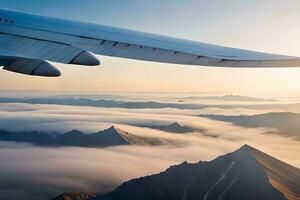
<point x="246" y="174"/>
<point x="176" y="128"/>
<point x="110" y="137"/>
<point x="286" y="123"/>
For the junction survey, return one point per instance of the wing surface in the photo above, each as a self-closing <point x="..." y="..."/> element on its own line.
<point x="50" y="39"/>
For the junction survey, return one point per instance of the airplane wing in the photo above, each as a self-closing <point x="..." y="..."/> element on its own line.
<point x="34" y="40"/>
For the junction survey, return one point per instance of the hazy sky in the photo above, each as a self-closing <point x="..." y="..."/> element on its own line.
<point x="269" y="25"/>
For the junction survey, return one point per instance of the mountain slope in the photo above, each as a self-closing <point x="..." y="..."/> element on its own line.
<point x="282" y="176"/>
<point x="74" y="196"/>
<point x="246" y="174"/>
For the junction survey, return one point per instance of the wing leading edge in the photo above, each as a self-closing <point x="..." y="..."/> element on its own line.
<point x="50" y="39"/>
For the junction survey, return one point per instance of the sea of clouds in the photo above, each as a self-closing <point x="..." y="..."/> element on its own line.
<point x="32" y="172"/>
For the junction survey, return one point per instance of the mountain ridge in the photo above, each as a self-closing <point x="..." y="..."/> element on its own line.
<point x="175" y="127"/>
<point x="287" y="183"/>
<point x="102" y="103"/>
<point x="237" y="175"/>
<point x="246" y="173"/>
<point x="231" y="97"/>
<point x="286" y="123"/>
<point x="112" y="136"/>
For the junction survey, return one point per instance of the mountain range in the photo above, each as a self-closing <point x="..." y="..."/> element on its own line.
<point x="175" y="128"/>
<point x="229" y="98"/>
<point x="286" y="123"/>
<point x="109" y="137"/>
<point x="103" y="103"/>
<point x="246" y="174"/>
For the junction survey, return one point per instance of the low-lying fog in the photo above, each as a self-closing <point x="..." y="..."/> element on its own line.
<point x="41" y="172"/>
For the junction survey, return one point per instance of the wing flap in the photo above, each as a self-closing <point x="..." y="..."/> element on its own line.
<point x="39" y="49"/>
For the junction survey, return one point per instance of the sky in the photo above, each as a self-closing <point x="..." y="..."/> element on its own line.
<point x="270" y="26"/>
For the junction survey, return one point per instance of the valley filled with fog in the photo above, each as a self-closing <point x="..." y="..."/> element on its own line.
<point x="156" y="132"/>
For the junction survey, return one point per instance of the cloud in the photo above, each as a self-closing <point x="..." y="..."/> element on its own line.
<point x="40" y="172"/>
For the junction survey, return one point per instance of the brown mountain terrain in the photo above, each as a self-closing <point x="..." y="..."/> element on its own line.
<point x="285" y="178"/>
<point x="75" y="196"/>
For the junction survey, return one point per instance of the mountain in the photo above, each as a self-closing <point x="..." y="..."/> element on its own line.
<point x="287" y="123"/>
<point x="247" y="174"/>
<point x="109" y="137"/>
<point x="74" y="196"/>
<point x="102" y="103"/>
<point x="176" y="128"/>
<point x="35" y="137"/>
<point x="230" y="98"/>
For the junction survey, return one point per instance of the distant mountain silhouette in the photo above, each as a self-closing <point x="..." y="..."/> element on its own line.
<point x="102" y="103"/>
<point x="35" y="137"/>
<point x="229" y="98"/>
<point x="288" y="124"/>
<point x="246" y="174"/>
<point x="176" y="128"/>
<point x="110" y="137"/>
<point x="98" y="103"/>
